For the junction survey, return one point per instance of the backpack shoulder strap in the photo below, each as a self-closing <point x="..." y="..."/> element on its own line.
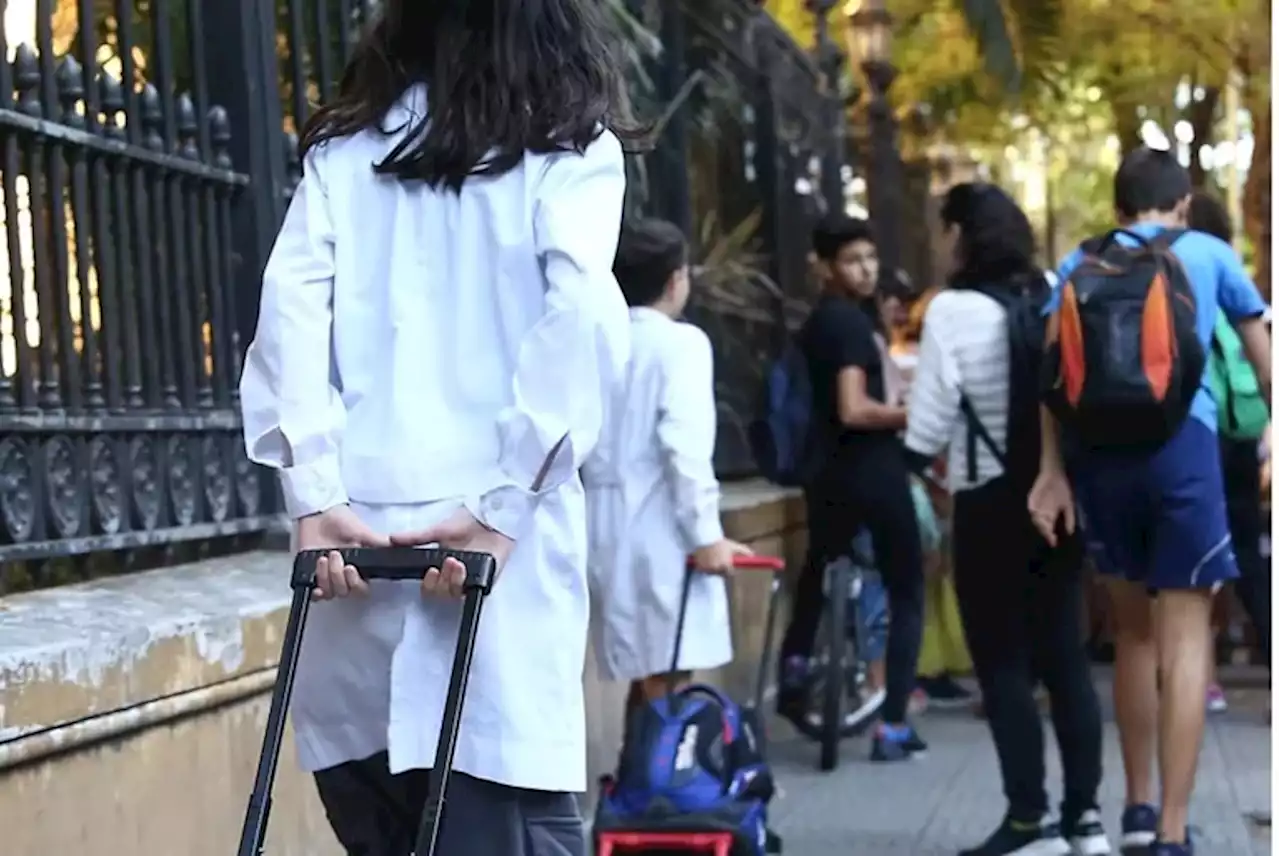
<point x="1166" y="238"/>
<point x="978" y="433"/>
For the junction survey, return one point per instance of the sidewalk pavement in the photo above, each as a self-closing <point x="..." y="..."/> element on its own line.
<point x="952" y="798"/>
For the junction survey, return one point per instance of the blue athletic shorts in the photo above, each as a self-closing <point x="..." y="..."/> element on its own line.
<point x="1158" y="519"/>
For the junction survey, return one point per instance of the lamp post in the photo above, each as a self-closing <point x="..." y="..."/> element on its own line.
<point x="871" y="27"/>
<point x="829" y="60"/>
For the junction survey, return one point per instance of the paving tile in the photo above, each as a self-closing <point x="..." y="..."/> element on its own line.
<point x="952" y="798"/>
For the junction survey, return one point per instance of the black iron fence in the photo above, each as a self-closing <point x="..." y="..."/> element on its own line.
<point x="147" y="155"/>
<point x="737" y="164"/>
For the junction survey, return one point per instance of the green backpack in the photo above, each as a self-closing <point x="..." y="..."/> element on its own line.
<point x="1242" y="411"/>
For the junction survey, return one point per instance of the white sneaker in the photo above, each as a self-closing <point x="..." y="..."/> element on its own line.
<point x="1087" y="836"/>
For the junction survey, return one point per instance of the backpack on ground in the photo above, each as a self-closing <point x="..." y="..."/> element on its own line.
<point x="779" y="438"/>
<point x="1025" y="325"/>
<point x="1123" y="358"/>
<point x="692" y="762"/>
<point x="1242" y="411"/>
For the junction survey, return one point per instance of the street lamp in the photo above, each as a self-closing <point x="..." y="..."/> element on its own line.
<point x="829" y="60"/>
<point x="872" y="31"/>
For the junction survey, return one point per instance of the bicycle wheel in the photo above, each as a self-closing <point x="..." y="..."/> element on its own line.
<point x="834" y="664"/>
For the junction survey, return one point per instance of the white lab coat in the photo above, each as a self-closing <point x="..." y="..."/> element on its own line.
<point x="420" y="349"/>
<point x="653" y="498"/>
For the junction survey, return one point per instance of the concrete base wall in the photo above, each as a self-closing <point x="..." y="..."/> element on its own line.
<point x="131" y="710"/>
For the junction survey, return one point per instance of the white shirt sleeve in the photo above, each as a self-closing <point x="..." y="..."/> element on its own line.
<point x="687" y="438"/>
<point x="935" y="391"/>
<point x="289" y="394"/>
<point x="573" y="357"/>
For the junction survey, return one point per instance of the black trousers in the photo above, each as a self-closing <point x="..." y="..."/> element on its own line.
<point x="1242" y="482"/>
<point x="878" y="497"/>
<point x="374" y="813"/>
<point x="1021" y="607"/>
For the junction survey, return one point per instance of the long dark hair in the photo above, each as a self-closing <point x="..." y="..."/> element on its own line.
<point x="502" y="77"/>
<point x="996" y="244"/>
<point x="1207" y="214"/>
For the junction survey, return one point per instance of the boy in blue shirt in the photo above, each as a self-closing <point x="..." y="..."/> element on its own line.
<point x="1157" y="523"/>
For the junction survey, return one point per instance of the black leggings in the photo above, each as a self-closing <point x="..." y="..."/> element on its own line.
<point x="1242" y="480"/>
<point x="880" y="501"/>
<point x="1021" y="605"/>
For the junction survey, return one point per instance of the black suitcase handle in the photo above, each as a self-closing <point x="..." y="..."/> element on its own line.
<point x="398" y="563"/>
<point x="377" y="563"/>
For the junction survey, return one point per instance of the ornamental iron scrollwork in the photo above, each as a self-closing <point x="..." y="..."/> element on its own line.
<point x="217" y="481"/>
<point x="144" y="481"/>
<point x="17" y="490"/>
<point x="64" y="482"/>
<point x="181" y="480"/>
<point x="248" y="486"/>
<point x="106" y="496"/>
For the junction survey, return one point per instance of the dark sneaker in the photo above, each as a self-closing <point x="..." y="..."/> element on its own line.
<point x="944" y="692"/>
<point x="1138" y="830"/>
<point x="1165" y="848"/>
<point x="1022" y="838"/>
<point x="897" y="744"/>
<point x="1086" y="835"/>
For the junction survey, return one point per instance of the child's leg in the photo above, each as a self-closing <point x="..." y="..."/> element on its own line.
<point x="370" y="810"/>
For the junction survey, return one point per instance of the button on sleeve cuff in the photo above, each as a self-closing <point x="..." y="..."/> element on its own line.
<point x="312" y="487"/>
<point x="508" y="509"/>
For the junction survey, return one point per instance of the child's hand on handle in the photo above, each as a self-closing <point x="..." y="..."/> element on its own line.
<point x="458" y="531"/>
<point x="337" y="527"/>
<point x="718" y="558"/>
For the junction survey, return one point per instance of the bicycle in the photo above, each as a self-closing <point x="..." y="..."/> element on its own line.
<point x="841" y="705"/>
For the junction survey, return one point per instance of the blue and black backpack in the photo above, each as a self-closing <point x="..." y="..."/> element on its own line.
<point x="780" y="437"/>
<point x="692" y="762"/>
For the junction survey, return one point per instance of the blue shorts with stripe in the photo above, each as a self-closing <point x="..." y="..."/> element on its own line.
<point x="1159" y="519"/>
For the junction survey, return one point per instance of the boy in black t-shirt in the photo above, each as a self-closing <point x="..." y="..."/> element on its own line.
<point x="861" y="479"/>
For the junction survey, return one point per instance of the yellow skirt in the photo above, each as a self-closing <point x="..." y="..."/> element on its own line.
<point x="942" y="647"/>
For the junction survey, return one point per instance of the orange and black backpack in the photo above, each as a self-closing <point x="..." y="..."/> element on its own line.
<point x="1123" y="359"/>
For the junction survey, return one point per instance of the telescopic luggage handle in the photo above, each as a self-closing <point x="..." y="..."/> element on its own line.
<point x="770" y="564"/>
<point x="374" y="563"/>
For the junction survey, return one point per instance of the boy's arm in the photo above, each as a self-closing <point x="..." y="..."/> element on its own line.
<point x="569" y="362"/>
<point x="1256" y="339"/>
<point x="687" y="439"/>
<point x="293" y="416"/>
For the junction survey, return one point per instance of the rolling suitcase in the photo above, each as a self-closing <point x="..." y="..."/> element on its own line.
<point x="394" y="563"/>
<point x="615" y="834"/>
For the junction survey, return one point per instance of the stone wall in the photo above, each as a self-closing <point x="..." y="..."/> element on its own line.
<point x="131" y="709"/>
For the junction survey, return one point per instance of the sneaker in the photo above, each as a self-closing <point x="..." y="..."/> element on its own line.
<point x="1215" y="699"/>
<point x="944" y="692"/>
<point x="857" y="718"/>
<point x="1086" y="834"/>
<point x="897" y="744"/>
<point x="1138" y="830"/>
<point x="1165" y="848"/>
<point x="1022" y="838"/>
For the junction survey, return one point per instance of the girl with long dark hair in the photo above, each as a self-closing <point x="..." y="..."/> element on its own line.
<point x="1020" y="600"/>
<point x="439" y="330"/>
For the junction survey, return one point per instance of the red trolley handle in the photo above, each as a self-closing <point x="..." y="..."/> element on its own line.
<point x="772" y="564"/>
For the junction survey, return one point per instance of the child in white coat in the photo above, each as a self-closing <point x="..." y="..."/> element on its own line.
<point x="652" y="496"/>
